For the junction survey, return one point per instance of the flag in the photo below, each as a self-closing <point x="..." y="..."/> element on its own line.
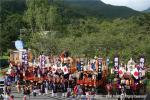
<point x="116" y="61"/>
<point x="135" y="73"/>
<point x="116" y="66"/>
<point x="65" y="70"/>
<point x="142" y="62"/>
<point x="42" y="60"/>
<point x="54" y="68"/>
<point x="25" y="58"/>
<point x="121" y="72"/>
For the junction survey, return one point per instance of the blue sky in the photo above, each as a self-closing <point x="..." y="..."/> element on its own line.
<point x="134" y="4"/>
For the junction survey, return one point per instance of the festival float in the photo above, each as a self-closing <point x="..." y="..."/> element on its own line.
<point x="128" y="78"/>
<point x="91" y="75"/>
<point x="93" y="78"/>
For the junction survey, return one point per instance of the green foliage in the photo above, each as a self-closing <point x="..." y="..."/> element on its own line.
<point x="10" y="31"/>
<point x="40" y="15"/>
<point x="54" y="26"/>
<point x="10" y="23"/>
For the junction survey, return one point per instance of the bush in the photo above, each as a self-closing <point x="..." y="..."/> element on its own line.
<point x="148" y="75"/>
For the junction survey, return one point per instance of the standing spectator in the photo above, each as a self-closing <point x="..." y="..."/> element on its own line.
<point x="109" y="88"/>
<point x="42" y="88"/>
<point x="80" y="92"/>
<point x="11" y="97"/>
<point x="24" y="92"/>
<point x="78" y="65"/>
<point x="46" y="87"/>
<point x="53" y="89"/>
<point x="65" y="86"/>
<point x="16" y="78"/>
<point x="18" y="87"/>
<point x="62" y="82"/>
<point x="31" y="87"/>
<point x="70" y="82"/>
<point x="6" y="97"/>
<point x="28" y="91"/>
<point x="34" y="89"/>
<point x="8" y="90"/>
<point x="5" y="79"/>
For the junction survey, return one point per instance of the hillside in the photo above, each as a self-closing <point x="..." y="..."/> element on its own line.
<point x="147" y="10"/>
<point x="97" y="8"/>
<point x="76" y="8"/>
<point x="82" y="27"/>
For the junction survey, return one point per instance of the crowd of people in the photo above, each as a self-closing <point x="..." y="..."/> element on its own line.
<point x="38" y="80"/>
<point x="57" y="77"/>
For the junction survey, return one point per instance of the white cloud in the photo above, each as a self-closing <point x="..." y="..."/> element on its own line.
<point x="134" y="4"/>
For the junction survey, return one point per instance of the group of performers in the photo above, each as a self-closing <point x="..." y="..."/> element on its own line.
<point x="64" y="72"/>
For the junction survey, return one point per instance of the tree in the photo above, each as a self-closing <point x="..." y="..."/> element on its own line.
<point x="10" y="31"/>
<point x="40" y="15"/>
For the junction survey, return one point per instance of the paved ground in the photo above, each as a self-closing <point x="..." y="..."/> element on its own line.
<point x="58" y="97"/>
<point x="49" y="97"/>
<point x="38" y="97"/>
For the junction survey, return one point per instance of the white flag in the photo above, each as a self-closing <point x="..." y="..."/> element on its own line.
<point x="121" y="72"/>
<point x="54" y="68"/>
<point x="135" y="73"/>
<point x="65" y="70"/>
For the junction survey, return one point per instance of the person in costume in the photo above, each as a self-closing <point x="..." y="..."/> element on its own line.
<point x="62" y="83"/>
<point x="18" y="87"/>
<point x="78" y="65"/>
<point x="46" y="87"/>
<point x="54" y="89"/>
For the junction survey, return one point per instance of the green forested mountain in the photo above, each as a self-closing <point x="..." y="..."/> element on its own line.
<point x="97" y="8"/>
<point x="87" y="28"/>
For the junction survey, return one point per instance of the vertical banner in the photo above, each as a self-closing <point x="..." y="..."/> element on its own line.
<point x="141" y="66"/>
<point x="81" y="69"/>
<point x="116" y="64"/>
<point x="42" y="61"/>
<point x="142" y="61"/>
<point x="25" y="59"/>
<point x="99" y="68"/>
<point x="99" y="65"/>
